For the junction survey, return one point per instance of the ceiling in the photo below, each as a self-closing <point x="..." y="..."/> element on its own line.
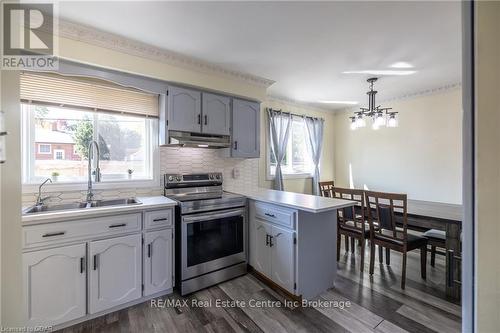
<point x="304" y="46"/>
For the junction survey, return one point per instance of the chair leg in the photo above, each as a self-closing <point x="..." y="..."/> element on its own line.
<point x="423" y="262"/>
<point x="433" y="255"/>
<point x="372" y="256"/>
<point x="346" y="243"/>
<point x="403" y="273"/>
<point x="380" y="254"/>
<point x="387" y="256"/>
<point x="362" y="253"/>
<point x="338" y="245"/>
<point x="353" y="244"/>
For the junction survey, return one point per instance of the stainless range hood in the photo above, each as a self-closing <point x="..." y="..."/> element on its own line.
<point x="197" y="140"/>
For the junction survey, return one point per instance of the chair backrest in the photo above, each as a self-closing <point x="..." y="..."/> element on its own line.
<point x="352" y="217"/>
<point x="381" y="209"/>
<point x="325" y="188"/>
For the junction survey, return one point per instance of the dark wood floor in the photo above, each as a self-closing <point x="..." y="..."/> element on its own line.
<point x="377" y="305"/>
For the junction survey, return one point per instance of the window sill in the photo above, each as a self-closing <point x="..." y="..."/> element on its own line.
<point x="291" y="176"/>
<point x="109" y="185"/>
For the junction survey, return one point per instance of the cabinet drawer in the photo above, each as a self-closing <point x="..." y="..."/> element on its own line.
<point x="46" y="234"/>
<point x="158" y="218"/>
<point x="275" y="214"/>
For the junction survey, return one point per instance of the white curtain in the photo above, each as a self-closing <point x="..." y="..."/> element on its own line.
<point x="315" y="133"/>
<point x="279" y="125"/>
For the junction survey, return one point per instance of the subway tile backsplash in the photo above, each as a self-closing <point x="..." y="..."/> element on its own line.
<point x="193" y="160"/>
<point x="175" y="160"/>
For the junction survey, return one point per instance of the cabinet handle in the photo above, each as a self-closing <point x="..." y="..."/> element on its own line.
<point x="271" y="241"/>
<point x="161" y="219"/>
<point x="206" y="120"/>
<point x="95" y="262"/>
<point x="270" y="215"/>
<point x="149" y="251"/>
<point x="118" y="225"/>
<point x="267" y="240"/>
<point x="82" y="264"/>
<point x="235" y="145"/>
<point x="199" y="119"/>
<point x="54" y="234"/>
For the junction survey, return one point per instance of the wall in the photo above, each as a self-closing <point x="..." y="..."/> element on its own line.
<point x="302" y="185"/>
<point x="10" y="228"/>
<point x="487" y="168"/>
<point x="421" y="157"/>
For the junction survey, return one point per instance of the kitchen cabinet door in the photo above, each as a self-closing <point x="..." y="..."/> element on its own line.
<point x="184" y="110"/>
<point x="216" y="112"/>
<point x="157" y="255"/>
<point x="114" y="272"/>
<point x="245" y="129"/>
<point x="55" y="285"/>
<point x="262" y="257"/>
<point x="282" y="253"/>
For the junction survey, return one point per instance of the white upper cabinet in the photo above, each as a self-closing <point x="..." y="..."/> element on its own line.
<point x="114" y="272"/>
<point x="184" y="109"/>
<point x="245" y="129"/>
<point x="216" y="112"/>
<point x="55" y="285"/>
<point x="157" y="261"/>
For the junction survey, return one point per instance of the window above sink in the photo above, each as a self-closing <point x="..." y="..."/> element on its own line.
<point x="56" y="136"/>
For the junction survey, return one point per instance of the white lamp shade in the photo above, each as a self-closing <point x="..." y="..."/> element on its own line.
<point x="360" y="122"/>
<point x="392" y="122"/>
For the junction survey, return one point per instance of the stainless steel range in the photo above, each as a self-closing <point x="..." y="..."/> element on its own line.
<point x="211" y="231"/>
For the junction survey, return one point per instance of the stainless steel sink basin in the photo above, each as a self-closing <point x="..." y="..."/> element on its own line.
<point x="81" y="205"/>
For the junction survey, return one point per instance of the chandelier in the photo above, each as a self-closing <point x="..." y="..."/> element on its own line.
<point x="379" y="116"/>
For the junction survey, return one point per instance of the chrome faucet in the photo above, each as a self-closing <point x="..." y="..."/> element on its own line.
<point x="97" y="171"/>
<point x="39" y="199"/>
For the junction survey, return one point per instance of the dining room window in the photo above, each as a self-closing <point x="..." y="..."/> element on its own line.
<point x="57" y="130"/>
<point x="297" y="161"/>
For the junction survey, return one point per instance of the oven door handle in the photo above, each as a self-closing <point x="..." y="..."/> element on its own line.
<point x="211" y="216"/>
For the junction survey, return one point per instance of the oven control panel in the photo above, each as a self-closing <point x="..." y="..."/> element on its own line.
<point x="193" y="179"/>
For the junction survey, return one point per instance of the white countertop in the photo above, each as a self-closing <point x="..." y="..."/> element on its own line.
<point x="148" y="203"/>
<point x="305" y="202"/>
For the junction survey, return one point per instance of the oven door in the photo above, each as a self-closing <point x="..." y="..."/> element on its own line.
<point x="211" y="241"/>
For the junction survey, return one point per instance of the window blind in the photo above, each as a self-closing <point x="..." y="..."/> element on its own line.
<point x="87" y="93"/>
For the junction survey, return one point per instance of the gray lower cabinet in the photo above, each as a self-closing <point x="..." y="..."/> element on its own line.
<point x="105" y="268"/>
<point x="55" y="285"/>
<point x="216" y="114"/>
<point x="158" y="258"/>
<point x="245" y="129"/>
<point x="115" y="272"/>
<point x="184" y="109"/>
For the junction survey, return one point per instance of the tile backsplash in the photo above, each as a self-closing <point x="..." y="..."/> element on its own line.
<point x="237" y="173"/>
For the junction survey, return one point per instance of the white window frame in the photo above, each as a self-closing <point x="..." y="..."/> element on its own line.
<point x="59" y="151"/>
<point x="110" y="181"/>
<point x="269" y="175"/>
<point x="43" y="152"/>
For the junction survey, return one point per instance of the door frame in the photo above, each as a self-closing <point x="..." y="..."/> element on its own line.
<point x="468" y="167"/>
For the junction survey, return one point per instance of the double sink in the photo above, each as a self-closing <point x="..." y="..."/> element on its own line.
<point x="80" y="205"/>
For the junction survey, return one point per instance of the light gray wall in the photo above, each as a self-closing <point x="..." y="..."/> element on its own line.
<point x="11" y="261"/>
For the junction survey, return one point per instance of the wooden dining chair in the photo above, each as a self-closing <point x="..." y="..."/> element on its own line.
<point x="436" y="238"/>
<point x="382" y="210"/>
<point x="325" y="188"/>
<point x="351" y="220"/>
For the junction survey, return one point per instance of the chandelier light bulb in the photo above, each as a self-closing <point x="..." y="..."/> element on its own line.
<point x="360" y="122"/>
<point x="353" y="123"/>
<point x="392" y="122"/>
<point x="379" y="120"/>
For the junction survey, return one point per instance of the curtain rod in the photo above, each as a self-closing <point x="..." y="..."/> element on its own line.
<point x="295" y="114"/>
